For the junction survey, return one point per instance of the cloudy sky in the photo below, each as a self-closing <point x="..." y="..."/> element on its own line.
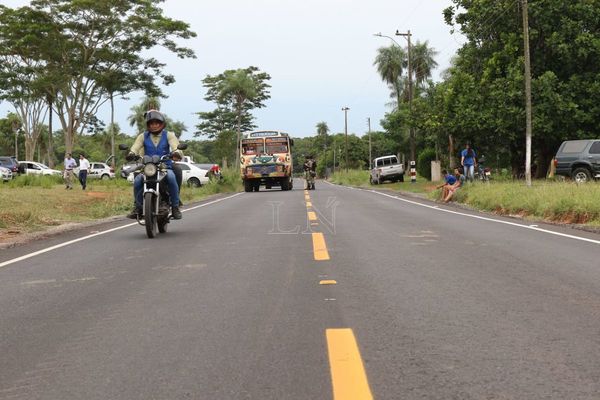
<point x="319" y="54"/>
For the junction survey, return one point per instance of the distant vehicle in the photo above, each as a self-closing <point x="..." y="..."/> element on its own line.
<point x="386" y="168"/>
<point x="5" y="174"/>
<point x="266" y="159"/>
<point x="192" y="174"/>
<point x="12" y="164"/>
<point x="36" y="168"/>
<point x="214" y="171"/>
<point x="578" y="159"/>
<point x="99" y="170"/>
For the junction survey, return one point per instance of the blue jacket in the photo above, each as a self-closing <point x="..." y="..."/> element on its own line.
<point x="159" y="150"/>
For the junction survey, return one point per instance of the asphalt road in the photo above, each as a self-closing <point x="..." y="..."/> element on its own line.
<point x="338" y="293"/>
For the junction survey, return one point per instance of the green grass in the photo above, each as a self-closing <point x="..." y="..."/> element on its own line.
<point x="32" y="203"/>
<point x="550" y="200"/>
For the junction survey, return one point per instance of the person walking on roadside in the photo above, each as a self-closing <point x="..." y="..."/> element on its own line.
<point x="84" y="166"/>
<point x="68" y="175"/>
<point x="468" y="161"/>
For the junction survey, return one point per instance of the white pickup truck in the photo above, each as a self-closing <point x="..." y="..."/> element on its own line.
<point x="386" y="168"/>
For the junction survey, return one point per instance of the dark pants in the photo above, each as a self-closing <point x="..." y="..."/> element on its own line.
<point x="178" y="174"/>
<point x="83" y="178"/>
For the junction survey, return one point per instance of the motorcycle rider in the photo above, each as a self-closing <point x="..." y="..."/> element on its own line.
<point x="156" y="140"/>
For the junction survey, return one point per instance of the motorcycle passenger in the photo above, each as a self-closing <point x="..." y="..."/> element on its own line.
<point x="156" y="140"/>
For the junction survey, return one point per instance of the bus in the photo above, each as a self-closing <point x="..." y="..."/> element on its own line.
<point x="266" y="159"/>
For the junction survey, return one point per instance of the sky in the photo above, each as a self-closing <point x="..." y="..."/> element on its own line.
<point x="319" y="54"/>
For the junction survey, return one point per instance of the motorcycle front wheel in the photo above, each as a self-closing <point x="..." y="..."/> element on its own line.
<point x="150" y="215"/>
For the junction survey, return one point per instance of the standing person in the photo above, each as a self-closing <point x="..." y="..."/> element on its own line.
<point x="84" y="166"/>
<point x="68" y="175"/>
<point x="468" y="161"/>
<point x="156" y="141"/>
<point x="310" y="168"/>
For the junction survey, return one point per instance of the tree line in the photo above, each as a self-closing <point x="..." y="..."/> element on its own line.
<point x="481" y="96"/>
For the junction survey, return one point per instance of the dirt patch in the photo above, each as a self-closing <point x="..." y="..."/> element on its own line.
<point x="98" y="195"/>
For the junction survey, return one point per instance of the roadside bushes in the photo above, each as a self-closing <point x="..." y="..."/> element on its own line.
<point x="424" y="160"/>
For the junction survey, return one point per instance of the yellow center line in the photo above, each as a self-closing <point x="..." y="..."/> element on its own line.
<point x="308" y="204"/>
<point x="348" y="375"/>
<point x="307" y="198"/>
<point x="328" y="282"/>
<point x="312" y="216"/>
<point x="319" y="247"/>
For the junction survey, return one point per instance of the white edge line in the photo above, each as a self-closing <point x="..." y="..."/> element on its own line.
<point x="58" y="246"/>
<point x="530" y="227"/>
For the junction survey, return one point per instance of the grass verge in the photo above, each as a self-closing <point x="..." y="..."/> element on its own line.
<point x="31" y="203"/>
<point x="560" y="202"/>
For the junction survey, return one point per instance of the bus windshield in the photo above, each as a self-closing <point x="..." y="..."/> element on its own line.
<point x="276" y="145"/>
<point x="252" y="147"/>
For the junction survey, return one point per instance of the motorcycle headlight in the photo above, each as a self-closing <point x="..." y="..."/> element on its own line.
<point x="150" y="169"/>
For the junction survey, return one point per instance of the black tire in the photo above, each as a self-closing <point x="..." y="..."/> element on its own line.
<point x="248" y="186"/>
<point x="285" y="184"/>
<point x="256" y="187"/>
<point x="312" y="186"/>
<point x="105" y="177"/>
<point x="401" y="179"/>
<point x="194" y="182"/>
<point x="581" y="175"/>
<point x="162" y="225"/>
<point x="150" y="215"/>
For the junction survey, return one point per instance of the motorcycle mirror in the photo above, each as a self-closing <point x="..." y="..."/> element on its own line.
<point x="123" y="147"/>
<point x="182" y="146"/>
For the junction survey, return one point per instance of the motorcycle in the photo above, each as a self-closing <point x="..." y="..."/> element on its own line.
<point x="156" y="206"/>
<point x="484" y="174"/>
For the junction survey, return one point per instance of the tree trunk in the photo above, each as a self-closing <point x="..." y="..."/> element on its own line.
<point x="50" y="144"/>
<point x="451" y="151"/>
<point x="112" y="131"/>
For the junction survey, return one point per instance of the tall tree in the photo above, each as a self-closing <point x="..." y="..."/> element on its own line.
<point x="390" y="63"/>
<point x="236" y="93"/>
<point x="84" y="41"/>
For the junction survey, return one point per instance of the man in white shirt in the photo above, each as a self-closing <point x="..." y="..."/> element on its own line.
<point x="84" y="166"/>
<point x="70" y="163"/>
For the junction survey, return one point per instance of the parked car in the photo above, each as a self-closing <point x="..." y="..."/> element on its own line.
<point x="98" y="170"/>
<point x="386" y="168"/>
<point x="578" y="159"/>
<point x="12" y="164"/>
<point x="36" y="168"/>
<point x="193" y="175"/>
<point x="5" y="174"/>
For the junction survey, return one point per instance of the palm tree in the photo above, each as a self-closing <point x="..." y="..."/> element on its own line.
<point x="390" y="63"/>
<point x="423" y="62"/>
<point x="241" y="88"/>
<point x="136" y="118"/>
<point x="322" y="131"/>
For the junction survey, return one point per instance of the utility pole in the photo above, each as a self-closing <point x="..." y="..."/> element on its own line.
<point x="411" y="135"/>
<point x="528" y="127"/>
<point x="370" y="153"/>
<point x="345" y="110"/>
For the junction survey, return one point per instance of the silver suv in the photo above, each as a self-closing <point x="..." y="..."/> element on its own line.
<point x="578" y="159"/>
<point x="386" y="168"/>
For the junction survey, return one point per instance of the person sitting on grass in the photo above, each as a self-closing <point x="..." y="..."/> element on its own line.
<point x="449" y="181"/>
<point x="460" y="180"/>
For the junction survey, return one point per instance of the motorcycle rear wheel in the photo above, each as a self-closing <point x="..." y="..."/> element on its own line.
<point x="150" y="215"/>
